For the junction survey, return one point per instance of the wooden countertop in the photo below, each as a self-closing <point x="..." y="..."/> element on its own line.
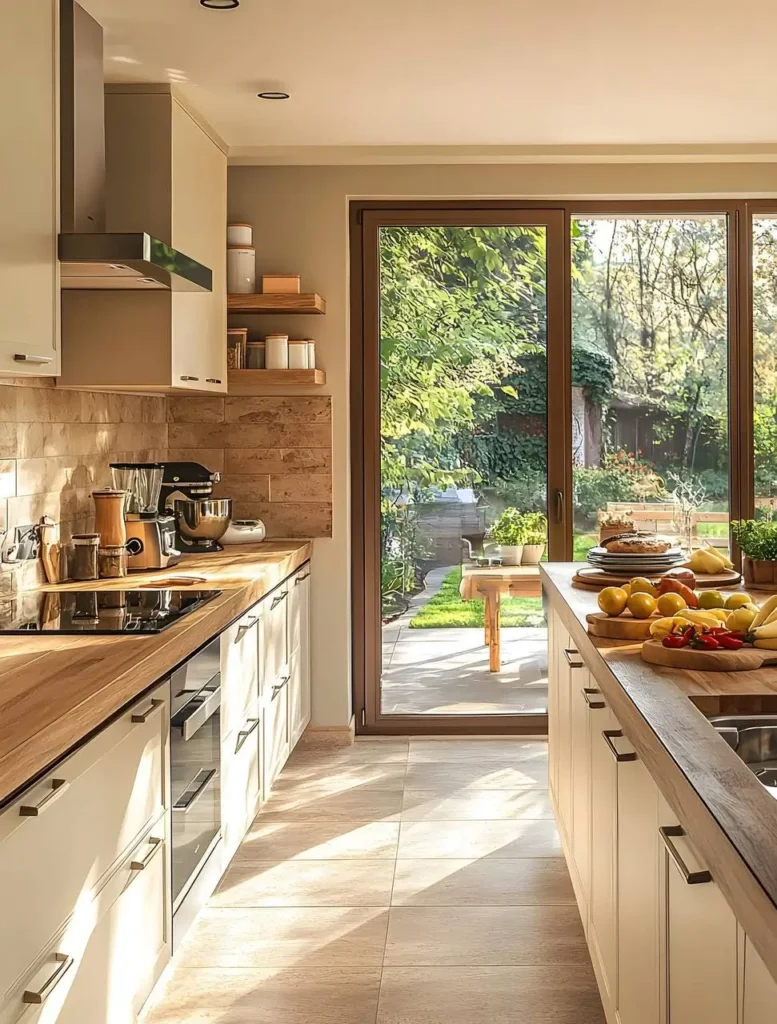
<point x="55" y="690"/>
<point x="732" y="818"/>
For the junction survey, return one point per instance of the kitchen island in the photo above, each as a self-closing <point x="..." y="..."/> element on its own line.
<point x="640" y="779"/>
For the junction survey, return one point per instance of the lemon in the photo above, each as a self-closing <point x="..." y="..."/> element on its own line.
<point x="626" y="588"/>
<point x="641" y="605"/>
<point x="735" y="601"/>
<point x="711" y="599"/>
<point x="740" y="619"/>
<point x="612" y="600"/>
<point x="670" y="604"/>
<point x="640" y="585"/>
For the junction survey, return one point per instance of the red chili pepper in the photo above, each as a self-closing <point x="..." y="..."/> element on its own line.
<point x="739" y="634"/>
<point x="706" y="642"/>
<point x="675" y="641"/>
<point x="731" y="643"/>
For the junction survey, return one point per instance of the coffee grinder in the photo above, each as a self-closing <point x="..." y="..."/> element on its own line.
<point x="150" y="533"/>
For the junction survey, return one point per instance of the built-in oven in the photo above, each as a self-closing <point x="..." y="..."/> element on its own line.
<point x="195" y="781"/>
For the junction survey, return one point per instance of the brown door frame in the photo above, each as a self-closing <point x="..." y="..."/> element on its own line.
<point x="366" y="221"/>
<point x="365" y="217"/>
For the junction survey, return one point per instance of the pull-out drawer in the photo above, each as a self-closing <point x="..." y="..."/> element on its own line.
<point x="67" y="832"/>
<point x="241" y="780"/>
<point x="276" y="733"/>
<point x="101" y="967"/>
<point x="239" y="671"/>
<point x="273" y="646"/>
<point x="299" y="610"/>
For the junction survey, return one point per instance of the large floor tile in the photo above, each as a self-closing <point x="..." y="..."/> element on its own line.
<point x="456" y="751"/>
<point x="471" y="839"/>
<point x="363" y="751"/>
<point x="319" y="840"/>
<point x="476" y="805"/>
<point x="364" y="804"/>
<point x="525" y="881"/>
<point x="485" y="936"/>
<point x="308" y="883"/>
<point x="287" y="937"/>
<point x="340" y="777"/>
<point x="496" y="995"/>
<point x="474" y="775"/>
<point x="230" y="996"/>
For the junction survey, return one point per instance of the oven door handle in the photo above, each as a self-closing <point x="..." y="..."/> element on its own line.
<point x="191" y="723"/>
<point x="195" y="789"/>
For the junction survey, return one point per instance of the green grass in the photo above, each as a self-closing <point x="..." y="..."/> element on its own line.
<point x="447" y="610"/>
<point x="582" y="542"/>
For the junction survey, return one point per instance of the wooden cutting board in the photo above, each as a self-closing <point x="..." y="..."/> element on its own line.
<point x="745" y="660"/>
<point x="589" y="578"/>
<point x="619" y="627"/>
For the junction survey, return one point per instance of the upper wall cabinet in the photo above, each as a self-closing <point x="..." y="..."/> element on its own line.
<point x="166" y="174"/>
<point x="29" y="98"/>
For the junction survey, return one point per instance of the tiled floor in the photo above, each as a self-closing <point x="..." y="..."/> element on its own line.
<point x="397" y="882"/>
<point x="445" y="672"/>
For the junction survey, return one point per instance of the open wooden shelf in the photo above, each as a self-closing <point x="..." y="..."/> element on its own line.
<point x="249" y="381"/>
<point x="292" y="302"/>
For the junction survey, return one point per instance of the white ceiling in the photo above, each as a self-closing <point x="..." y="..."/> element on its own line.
<point x="459" y="72"/>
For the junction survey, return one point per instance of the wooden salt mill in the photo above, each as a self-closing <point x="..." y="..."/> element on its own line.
<point x="109" y="517"/>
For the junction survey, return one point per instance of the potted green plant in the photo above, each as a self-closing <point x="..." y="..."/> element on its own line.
<point x="757" y="540"/>
<point x="508" y="532"/>
<point x="534" y="538"/>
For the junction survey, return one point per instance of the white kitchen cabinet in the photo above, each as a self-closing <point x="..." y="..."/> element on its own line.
<point x="241" y="772"/>
<point x="299" y="653"/>
<point x="29" y="173"/>
<point x="585" y="704"/>
<point x="273" y="638"/>
<point x="554" y="624"/>
<point x="276" y="738"/>
<point x="63" y="836"/>
<point x="564" y="656"/>
<point x="698" y="934"/>
<point x="759" y="989"/>
<point x="239" y="657"/>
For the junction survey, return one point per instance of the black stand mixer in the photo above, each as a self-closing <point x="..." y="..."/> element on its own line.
<point x="200" y="520"/>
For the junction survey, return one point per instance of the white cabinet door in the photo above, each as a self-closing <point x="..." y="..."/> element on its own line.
<point x="29" y="170"/>
<point x="759" y="996"/>
<point x="639" y="850"/>
<point x="585" y="704"/>
<point x="241" y="776"/>
<point x="239" y="658"/>
<point x="299" y="648"/>
<point x="276" y="744"/>
<point x="554" y="625"/>
<point x="699" y="955"/>
<point x="566" y="657"/>
<point x="273" y="640"/>
<point x="603" y="924"/>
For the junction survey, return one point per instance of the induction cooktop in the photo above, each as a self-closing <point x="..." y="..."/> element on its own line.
<point x="100" y="611"/>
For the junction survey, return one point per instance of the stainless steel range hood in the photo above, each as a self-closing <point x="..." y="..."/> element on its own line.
<point x="91" y="258"/>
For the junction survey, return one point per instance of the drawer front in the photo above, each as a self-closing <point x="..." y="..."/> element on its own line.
<point x="299" y="610"/>
<point x="102" y="966"/>
<point x="273" y="641"/>
<point x="299" y="696"/>
<point x="276" y="735"/>
<point x="241" y="780"/>
<point x="66" y="832"/>
<point x="239" y="671"/>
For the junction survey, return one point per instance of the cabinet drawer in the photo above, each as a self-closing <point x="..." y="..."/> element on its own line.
<point x="299" y="695"/>
<point x="239" y="671"/>
<point x="273" y="650"/>
<point x="241" y="780"/>
<point x="276" y="734"/>
<point x="65" y="833"/>
<point x="299" y="609"/>
<point x="101" y="967"/>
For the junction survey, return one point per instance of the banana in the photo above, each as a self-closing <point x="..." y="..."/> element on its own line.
<point x="699" y="618"/>
<point x="765" y="632"/>
<point x="720" y="554"/>
<point x="768" y="645"/>
<point x="770" y="618"/>
<point x="765" y="611"/>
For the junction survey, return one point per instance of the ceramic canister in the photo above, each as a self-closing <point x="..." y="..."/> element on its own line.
<point x="276" y="352"/>
<point x="311" y="355"/>
<point x="240" y="233"/>
<point x="241" y="269"/>
<point x="298" y="355"/>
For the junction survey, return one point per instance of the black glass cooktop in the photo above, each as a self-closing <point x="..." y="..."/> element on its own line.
<point x="100" y="611"/>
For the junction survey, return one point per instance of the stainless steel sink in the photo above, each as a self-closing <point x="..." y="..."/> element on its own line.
<point x="754" y="739"/>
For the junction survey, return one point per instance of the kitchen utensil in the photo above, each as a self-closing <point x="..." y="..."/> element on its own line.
<point x="50" y="549"/>
<point x="746" y="659"/>
<point x="241" y="269"/>
<point x="244" y="531"/>
<point x="109" y="516"/>
<point x="202" y="522"/>
<point x="619" y="627"/>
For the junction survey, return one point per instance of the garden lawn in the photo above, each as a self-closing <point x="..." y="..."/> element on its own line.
<point x="446" y="609"/>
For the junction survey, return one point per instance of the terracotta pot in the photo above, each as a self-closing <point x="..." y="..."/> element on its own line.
<point x="511" y="553"/>
<point x="761" y="572"/>
<point x="532" y="554"/>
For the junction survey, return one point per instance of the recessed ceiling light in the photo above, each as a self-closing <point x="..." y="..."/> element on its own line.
<point x="273" y="94"/>
<point x="220" y="5"/>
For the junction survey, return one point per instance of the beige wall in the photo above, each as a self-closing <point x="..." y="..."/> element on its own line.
<point x="299" y="216"/>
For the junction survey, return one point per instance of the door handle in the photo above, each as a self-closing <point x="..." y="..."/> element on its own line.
<point x="299" y="579"/>
<point x="559" y="497"/>
<point x="278" y="598"/>
<point x="277" y="689"/>
<point x="58" y="787"/>
<point x="242" y="630"/>
<point x="569" y="655"/>
<point x="192" y="719"/>
<point x="213" y="380"/>
<point x="141" y="865"/>
<point x="143" y="716"/>
<point x="38" y="996"/>
<point x="28" y="357"/>
<point x="614" y="734"/>
<point x="195" y="789"/>
<point x="593" y="705"/>
<point x="667" y="833"/>
<point x="243" y="734"/>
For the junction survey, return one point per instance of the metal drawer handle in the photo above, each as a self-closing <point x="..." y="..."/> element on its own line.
<point x="569" y="655"/>
<point x="143" y="716"/>
<point x="186" y="376"/>
<point x="615" y="734"/>
<point x="242" y="630"/>
<point x="278" y="598"/>
<point x="667" y="832"/>
<point x="252" y="724"/>
<point x="197" y="713"/>
<point x="141" y="865"/>
<point x="28" y="357"/>
<point x="64" y="963"/>
<point x="195" y="789"/>
<point x="277" y="689"/>
<point x="58" y="787"/>
<point x="593" y="705"/>
<point x="299" y="579"/>
<point x="213" y="380"/>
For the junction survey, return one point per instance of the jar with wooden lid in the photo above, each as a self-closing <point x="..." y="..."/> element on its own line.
<point x="109" y="516"/>
<point x="277" y="351"/>
<point x="240" y="233"/>
<point x="241" y="269"/>
<point x="298" y="355"/>
<point x="255" y="355"/>
<point x="112" y="561"/>
<point x="83" y="556"/>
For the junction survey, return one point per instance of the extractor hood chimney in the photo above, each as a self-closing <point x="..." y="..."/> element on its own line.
<point x="91" y="258"/>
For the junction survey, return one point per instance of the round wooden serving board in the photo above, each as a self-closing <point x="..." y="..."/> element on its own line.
<point x="744" y="660"/>
<point x="589" y="578"/>
<point x="619" y="627"/>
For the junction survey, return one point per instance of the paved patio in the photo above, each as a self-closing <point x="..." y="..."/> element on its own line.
<point x="445" y="672"/>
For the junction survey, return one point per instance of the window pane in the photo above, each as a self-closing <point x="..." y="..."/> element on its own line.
<point x="650" y="378"/>
<point x="765" y="363"/>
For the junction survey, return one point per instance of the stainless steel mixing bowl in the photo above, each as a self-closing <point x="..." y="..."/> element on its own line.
<point x="202" y="519"/>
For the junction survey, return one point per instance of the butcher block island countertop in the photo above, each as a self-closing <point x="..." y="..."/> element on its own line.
<point x="733" y="819"/>
<point x="55" y="690"/>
